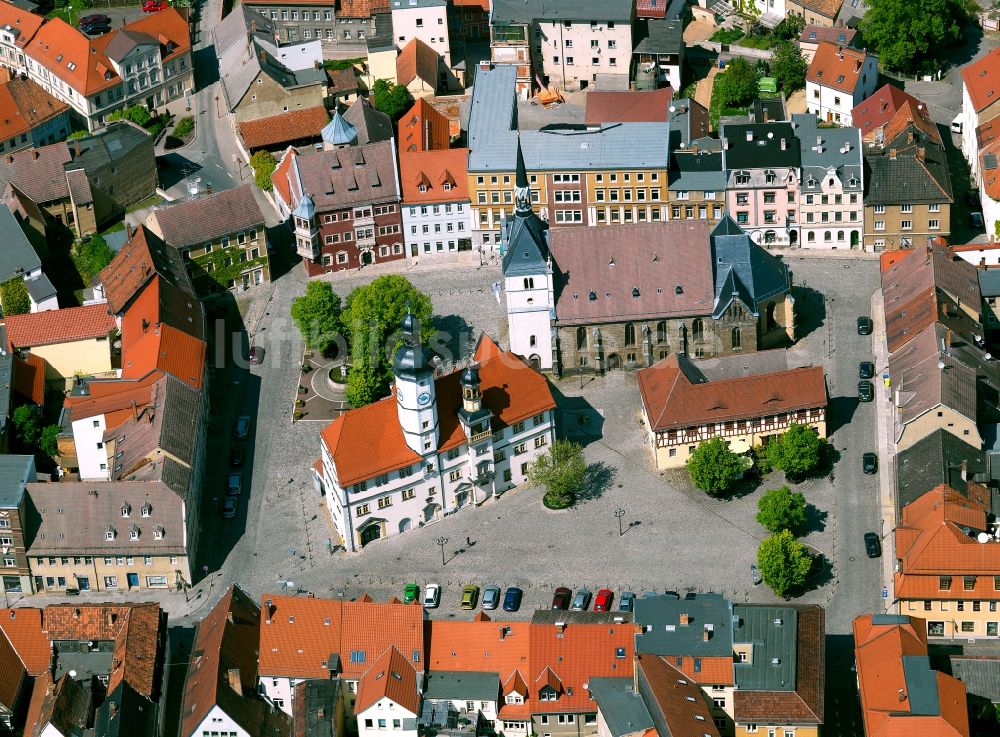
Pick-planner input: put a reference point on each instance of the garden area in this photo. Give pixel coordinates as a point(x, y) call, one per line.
point(739, 84)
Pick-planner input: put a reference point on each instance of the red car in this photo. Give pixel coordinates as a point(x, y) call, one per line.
point(603, 601)
point(153, 6)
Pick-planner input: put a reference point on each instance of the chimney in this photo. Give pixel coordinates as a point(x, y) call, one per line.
point(909, 137)
point(135, 413)
point(233, 675)
point(902, 695)
point(706, 634)
point(229, 614)
point(857, 65)
point(128, 230)
point(112, 709)
point(35, 154)
point(253, 26)
point(694, 148)
point(965, 470)
point(76, 148)
point(892, 154)
point(921, 153)
point(947, 339)
point(749, 135)
point(635, 673)
point(685, 618)
point(784, 144)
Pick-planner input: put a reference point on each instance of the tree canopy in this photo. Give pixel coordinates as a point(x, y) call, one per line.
point(784, 562)
point(788, 67)
point(391, 99)
point(714, 468)
point(14, 297)
point(317, 315)
point(92, 256)
point(798, 451)
point(48, 442)
point(27, 426)
point(263, 164)
point(561, 471)
point(137, 114)
point(780, 509)
point(909, 35)
point(737, 85)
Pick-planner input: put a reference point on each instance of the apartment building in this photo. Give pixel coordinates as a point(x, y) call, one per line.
point(344, 204)
point(308, 20)
point(17, 27)
point(980, 104)
point(436, 456)
point(437, 217)
point(426, 20)
point(567, 45)
point(831, 190)
point(762, 163)
point(70, 341)
point(16, 472)
point(687, 402)
point(838, 79)
point(872, 115)
point(31, 116)
point(697, 187)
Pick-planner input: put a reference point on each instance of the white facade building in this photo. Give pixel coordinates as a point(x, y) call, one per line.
point(579, 54)
point(439, 448)
point(388, 698)
point(437, 230)
point(838, 79)
point(423, 19)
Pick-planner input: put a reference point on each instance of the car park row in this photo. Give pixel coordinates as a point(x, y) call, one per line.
point(510, 600)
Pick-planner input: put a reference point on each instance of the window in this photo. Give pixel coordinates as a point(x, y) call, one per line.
point(385, 501)
point(362, 509)
point(111, 582)
point(156, 581)
point(408, 494)
point(906, 225)
point(969, 583)
point(880, 225)
point(944, 583)
point(968, 626)
point(933, 224)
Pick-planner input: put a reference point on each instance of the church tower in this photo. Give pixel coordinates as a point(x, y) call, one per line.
point(527, 272)
point(416, 402)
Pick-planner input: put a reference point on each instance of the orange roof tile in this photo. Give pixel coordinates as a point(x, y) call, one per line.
point(39, 690)
point(680, 701)
point(390, 677)
point(13, 676)
point(423, 128)
point(909, 114)
point(713, 670)
point(59, 326)
point(143, 255)
point(359, 8)
point(872, 114)
point(417, 59)
point(23, 627)
point(295, 125)
point(837, 67)
point(29, 377)
point(492, 647)
point(22, 23)
point(442, 175)
point(111, 396)
point(368, 441)
point(25, 105)
point(982, 80)
point(138, 654)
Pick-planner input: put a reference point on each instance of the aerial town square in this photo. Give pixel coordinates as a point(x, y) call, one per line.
point(500, 368)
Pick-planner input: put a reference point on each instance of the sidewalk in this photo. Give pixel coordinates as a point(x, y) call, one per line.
point(886, 432)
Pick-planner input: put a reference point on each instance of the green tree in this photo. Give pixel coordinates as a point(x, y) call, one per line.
point(48, 443)
point(790, 28)
point(798, 451)
point(391, 99)
point(184, 127)
point(26, 425)
point(364, 384)
point(14, 297)
point(737, 86)
point(910, 35)
point(780, 509)
point(371, 318)
point(784, 562)
point(263, 164)
point(788, 67)
point(561, 471)
point(92, 256)
point(714, 468)
point(137, 114)
point(317, 315)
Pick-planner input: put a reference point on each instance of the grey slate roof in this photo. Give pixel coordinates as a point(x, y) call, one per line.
point(125, 40)
point(314, 707)
point(6, 382)
point(15, 472)
point(40, 288)
point(663, 634)
point(763, 150)
point(17, 256)
point(134, 715)
point(830, 156)
point(41, 179)
point(698, 170)
point(981, 676)
point(621, 706)
point(743, 269)
point(243, 63)
point(551, 616)
point(906, 179)
point(937, 459)
point(526, 245)
point(240, 22)
point(658, 36)
point(774, 647)
point(111, 144)
point(525, 11)
point(989, 282)
point(493, 119)
point(688, 123)
point(921, 685)
point(768, 110)
point(462, 685)
point(346, 176)
point(371, 125)
point(209, 216)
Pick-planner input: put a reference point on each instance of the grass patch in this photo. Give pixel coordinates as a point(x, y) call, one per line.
point(120, 225)
point(760, 42)
point(68, 10)
point(148, 202)
point(717, 110)
point(726, 35)
point(184, 127)
point(689, 91)
point(338, 64)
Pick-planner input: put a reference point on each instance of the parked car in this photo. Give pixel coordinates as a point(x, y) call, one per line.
point(972, 199)
point(236, 456)
point(873, 546)
point(866, 370)
point(256, 355)
point(869, 462)
point(755, 574)
point(410, 593)
point(649, 594)
point(603, 601)
point(95, 19)
point(626, 601)
point(561, 597)
point(242, 427)
point(469, 595)
point(229, 507)
point(865, 326)
point(866, 391)
point(234, 485)
point(512, 599)
point(432, 596)
point(672, 594)
point(153, 6)
point(97, 29)
point(491, 597)
point(976, 220)
point(581, 601)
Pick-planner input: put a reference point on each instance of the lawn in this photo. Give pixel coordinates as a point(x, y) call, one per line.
point(726, 35)
point(68, 10)
point(716, 109)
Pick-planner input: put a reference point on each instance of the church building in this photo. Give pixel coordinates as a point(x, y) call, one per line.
point(440, 444)
point(626, 296)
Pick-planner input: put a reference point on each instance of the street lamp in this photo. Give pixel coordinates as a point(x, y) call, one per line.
point(442, 541)
point(218, 112)
point(619, 513)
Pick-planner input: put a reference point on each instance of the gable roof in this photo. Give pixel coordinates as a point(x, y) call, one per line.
point(241, 64)
point(939, 458)
point(240, 22)
point(53, 327)
point(982, 80)
point(18, 257)
point(675, 699)
point(417, 59)
point(368, 441)
point(22, 23)
point(433, 170)
point(911, 167)
point(390, 677)
point(817, 33)
point(125, 713)
point(423, 128)
point(874, 113)
point(25, 105)
point(634, 106)
point(143, 256)
point(13, 676)
point(372, 125)
point(38, 172)
point(65, 705)
point(743, 270)
point(837, 67)
point(23, 628)
point(284, 128)
point(210, 216)
point(482, 645)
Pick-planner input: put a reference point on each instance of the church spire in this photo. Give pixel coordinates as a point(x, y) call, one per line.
point(522, 191)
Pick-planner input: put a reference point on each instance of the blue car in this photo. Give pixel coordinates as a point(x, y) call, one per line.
point(512, 599)
point(626, 602)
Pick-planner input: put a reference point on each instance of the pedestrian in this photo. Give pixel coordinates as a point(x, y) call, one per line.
point(468, 541)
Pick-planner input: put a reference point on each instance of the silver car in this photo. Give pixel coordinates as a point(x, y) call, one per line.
point(581, 601)
point(491, 597)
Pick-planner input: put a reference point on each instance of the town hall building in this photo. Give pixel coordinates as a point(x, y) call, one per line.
point(440, 444)
point(626, 296)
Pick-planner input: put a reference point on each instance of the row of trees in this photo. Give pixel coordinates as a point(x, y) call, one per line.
point(365, 326)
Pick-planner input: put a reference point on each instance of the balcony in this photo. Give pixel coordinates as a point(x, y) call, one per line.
point(476, 437)
point(364, 241)
point(362, 221)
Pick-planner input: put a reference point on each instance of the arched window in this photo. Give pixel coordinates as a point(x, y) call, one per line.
point(529, 282)
point(697, 330)
point(629, 333)
point(661, 331)
point(840, 235)
point(737, 339)
point(827, 236)
point(810, 236)
point(581, 339)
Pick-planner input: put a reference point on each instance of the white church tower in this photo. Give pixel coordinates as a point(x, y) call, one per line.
point(527, 273)
point(416, 403)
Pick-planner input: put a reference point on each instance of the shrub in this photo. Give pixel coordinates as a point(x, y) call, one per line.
point(184, 127)
point(714, 468)
point(263, 164)
point(14, 298)
point(137, 114)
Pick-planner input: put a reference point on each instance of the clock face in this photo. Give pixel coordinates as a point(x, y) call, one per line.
point(423, 398)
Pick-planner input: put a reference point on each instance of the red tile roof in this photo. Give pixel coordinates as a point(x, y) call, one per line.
point(59, 326)
point(433, 171)
point(138, 655)
point(390, 677)
point(29, 377)
point(982, 80)
point(142, 256)
point(417, 59)
point(23, 627)
point(368, 441)
point(25, 105)
point(679, 700)
point(815, 34)
point(358, 8)
point(880, 644)
point(837, 67)
point(874, 113)
point(651, 8)
point(22, 22)
point(907, 115)
point(286, 128)
point(674, 396)
point(13, 676)
point(423, 128)
point(649, 106)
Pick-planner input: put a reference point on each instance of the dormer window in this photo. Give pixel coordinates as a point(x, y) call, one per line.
point(514, 698)
point(635, 292)
point(126, 510)
point(592, 296)
point(769, 176)
point(447, 186)
point(133, 533)
point(110, 533)
point(147, 509)
point(158, 532)
point(423, 187)
point(547, 694)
